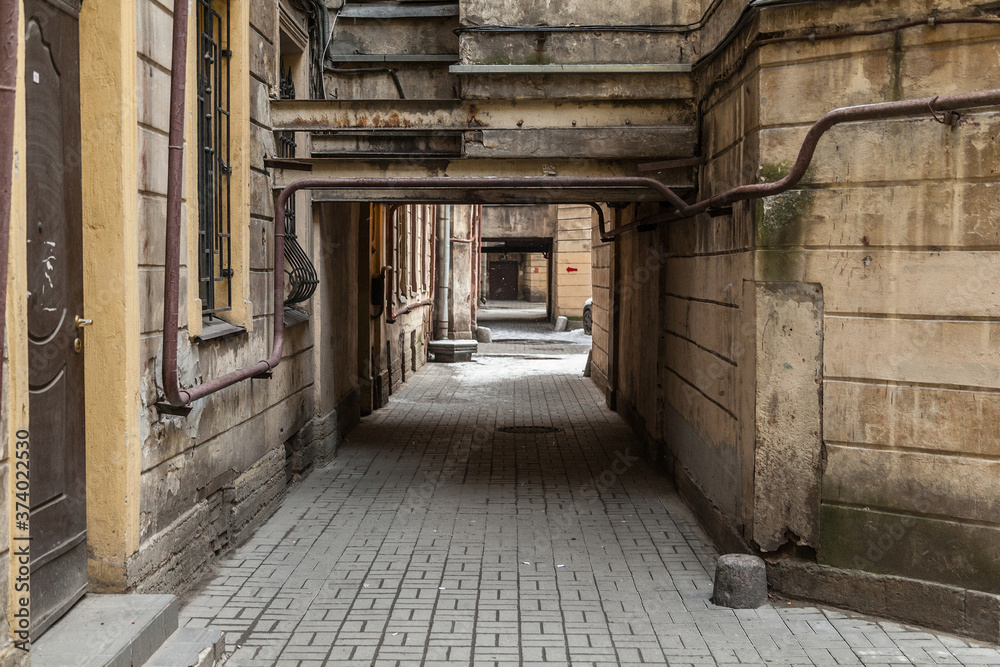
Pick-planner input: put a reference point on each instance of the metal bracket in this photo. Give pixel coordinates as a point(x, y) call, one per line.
point(949, 118)
point(278, 163)
point(165, 408)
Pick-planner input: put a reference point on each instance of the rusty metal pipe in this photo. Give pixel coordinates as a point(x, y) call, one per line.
point(600, 221)
point(390, 248)
point(175, 177)
point(868, 112)
point(171, 291)
point(410, 307)
point(8, 96)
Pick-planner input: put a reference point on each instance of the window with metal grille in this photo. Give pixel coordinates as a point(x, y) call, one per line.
point(299, 270)
point(215, 259)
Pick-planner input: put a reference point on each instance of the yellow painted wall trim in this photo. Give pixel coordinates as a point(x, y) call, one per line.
point(108, 111)
point(16, 373)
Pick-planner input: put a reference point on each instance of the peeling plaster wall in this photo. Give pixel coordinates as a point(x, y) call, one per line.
point(211, 477)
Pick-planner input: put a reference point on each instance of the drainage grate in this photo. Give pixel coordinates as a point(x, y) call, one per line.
point(529, 430)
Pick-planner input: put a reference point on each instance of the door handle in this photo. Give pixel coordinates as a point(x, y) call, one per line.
point(81, 322)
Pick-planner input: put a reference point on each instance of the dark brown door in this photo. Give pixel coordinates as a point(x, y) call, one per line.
point(503, 281)
point(55, 299)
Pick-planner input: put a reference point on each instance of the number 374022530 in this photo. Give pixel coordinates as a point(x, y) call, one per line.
point(21, 553)
point(22, 480)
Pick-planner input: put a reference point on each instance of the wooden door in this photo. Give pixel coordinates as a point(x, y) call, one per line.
point(55, 299)
point(503, 281)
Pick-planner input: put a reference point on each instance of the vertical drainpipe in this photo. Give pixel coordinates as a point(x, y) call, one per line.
point(477, 247)
point(175, 181)
point(8, 96)
point(443, 271)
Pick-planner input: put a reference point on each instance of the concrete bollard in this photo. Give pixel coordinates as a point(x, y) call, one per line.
point(740, 582)
point(561, 323)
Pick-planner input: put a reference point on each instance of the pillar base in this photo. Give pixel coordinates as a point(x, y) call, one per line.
point(452, 351)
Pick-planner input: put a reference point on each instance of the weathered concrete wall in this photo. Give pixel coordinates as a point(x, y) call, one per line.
point(411, 46)
point(788, 458)
point(703, 415)
point(894, 222)
point(407, 341)
point(826, 363)
point(637, 269)
point(519, 222)
point(578, 12)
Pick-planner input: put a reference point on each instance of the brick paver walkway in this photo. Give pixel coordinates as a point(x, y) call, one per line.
point(433, 539)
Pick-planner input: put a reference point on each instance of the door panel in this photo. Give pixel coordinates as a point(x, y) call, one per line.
point(55, 298)
point(503, 281)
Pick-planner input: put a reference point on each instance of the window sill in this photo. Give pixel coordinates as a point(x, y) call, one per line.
point(216, 329)
point(294, 316)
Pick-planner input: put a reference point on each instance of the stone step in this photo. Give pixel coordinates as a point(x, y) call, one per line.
point(190, 647)
point(108, 631)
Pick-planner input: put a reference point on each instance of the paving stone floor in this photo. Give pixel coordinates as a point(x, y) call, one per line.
point(433, 539)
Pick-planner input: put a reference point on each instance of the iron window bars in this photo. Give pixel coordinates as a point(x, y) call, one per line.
point(215, 257)
point(302, 278)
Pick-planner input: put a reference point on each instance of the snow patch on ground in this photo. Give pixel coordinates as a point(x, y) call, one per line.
point(505, 335)
point(482, 371)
